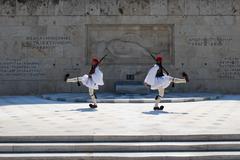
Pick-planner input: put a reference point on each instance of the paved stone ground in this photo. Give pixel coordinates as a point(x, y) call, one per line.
point(30, 115)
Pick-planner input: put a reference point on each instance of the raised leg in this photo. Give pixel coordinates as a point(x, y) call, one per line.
point(74, 80)
point(185, 79)
point(179, 80)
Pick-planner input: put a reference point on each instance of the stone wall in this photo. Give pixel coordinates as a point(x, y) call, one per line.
point(42, 40)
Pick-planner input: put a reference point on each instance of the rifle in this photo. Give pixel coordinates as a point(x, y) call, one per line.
point(102, 58)
point(152, 56)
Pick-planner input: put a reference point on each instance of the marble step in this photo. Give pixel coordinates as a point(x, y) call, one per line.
point(120, 138)
point(119, 147)
point(227, 155)
point(131, 87)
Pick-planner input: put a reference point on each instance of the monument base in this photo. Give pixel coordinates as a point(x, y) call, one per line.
point(128, 87)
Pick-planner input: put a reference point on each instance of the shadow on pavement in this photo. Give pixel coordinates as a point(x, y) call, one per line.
point(162, 112)
point(26, 100)
point(84, 110)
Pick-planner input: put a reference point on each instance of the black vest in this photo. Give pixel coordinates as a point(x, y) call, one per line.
point(93, 67)
point(159, 71)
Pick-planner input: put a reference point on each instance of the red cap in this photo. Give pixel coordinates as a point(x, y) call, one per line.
point(95, 60)
point(158, 58)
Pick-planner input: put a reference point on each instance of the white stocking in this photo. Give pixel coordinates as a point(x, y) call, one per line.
point(179, 80)
point(159, 96)
point(92, 95)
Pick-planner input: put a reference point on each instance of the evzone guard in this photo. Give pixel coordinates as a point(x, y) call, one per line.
point(92, 80)
point(158, 79)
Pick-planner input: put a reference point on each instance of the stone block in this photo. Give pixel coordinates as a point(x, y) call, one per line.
point(46, 86)
point(134, 7)
point(236, 7)
point(192, 7)
point(8, 7)
point(27, 87)
point(77, 63)
point(62, 86)
point(109, 7)
point(71, 7)
point(224, 7)
point(70, 51)
point(53, 7)
point(76, 34)
point(158, 7)
point(18, 87)
point(63, 63)
point(28, 7)
point(76, 89)
point(61, 21)
point(92, 7)
point(207, 7)
point(176, 7)
point(8, 87)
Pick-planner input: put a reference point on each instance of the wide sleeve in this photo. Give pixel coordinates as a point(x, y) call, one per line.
point(150, 78)
point(97, 76)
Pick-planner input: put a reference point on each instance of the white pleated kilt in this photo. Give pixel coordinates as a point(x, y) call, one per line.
point(161, 82)
point(90, 83)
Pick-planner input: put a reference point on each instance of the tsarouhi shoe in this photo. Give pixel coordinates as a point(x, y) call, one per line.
point(185, 76)
point(156, 108)
point(92, 106)
point(161, 107)
point(66, 77)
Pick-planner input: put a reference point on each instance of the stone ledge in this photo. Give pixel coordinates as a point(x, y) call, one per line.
point(222, 155)
point(119, 138)
point(131, 88)
point(131, 98)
